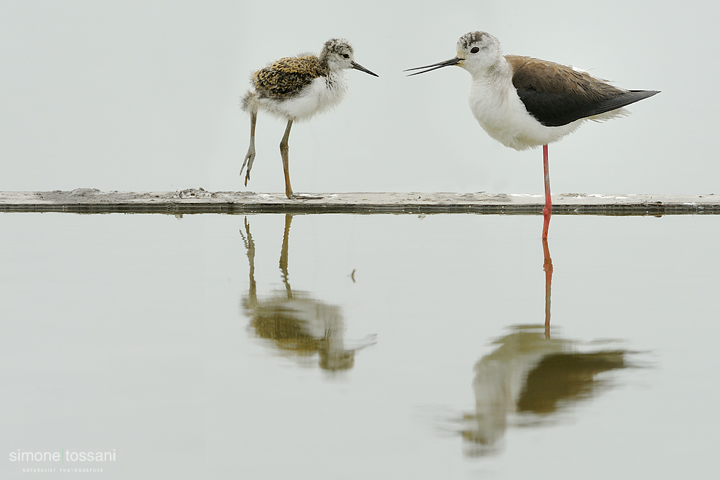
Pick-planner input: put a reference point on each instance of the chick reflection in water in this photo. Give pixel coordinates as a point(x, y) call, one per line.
point(296, 323)
point(528, 378)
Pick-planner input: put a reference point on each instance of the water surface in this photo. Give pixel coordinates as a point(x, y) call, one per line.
point(326, 346)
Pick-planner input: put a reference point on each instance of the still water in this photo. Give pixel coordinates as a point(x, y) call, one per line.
point(351, 346)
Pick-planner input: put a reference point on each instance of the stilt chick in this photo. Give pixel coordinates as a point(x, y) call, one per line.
point(296, 88)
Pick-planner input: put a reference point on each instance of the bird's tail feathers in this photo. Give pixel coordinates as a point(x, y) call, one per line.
point(249, 102)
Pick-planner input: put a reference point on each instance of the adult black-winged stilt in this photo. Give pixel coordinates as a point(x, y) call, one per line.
point(296, 88)
point(524, 102)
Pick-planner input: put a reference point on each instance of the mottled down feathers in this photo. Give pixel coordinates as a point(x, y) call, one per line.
point(287, 76)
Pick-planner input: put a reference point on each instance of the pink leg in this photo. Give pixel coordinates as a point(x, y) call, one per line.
point(547, 211)
point(547, 264)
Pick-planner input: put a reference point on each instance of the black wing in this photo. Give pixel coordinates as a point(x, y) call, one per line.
point(557, 95)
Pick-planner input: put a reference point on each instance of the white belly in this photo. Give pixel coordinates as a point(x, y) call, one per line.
point(321, 95)
point(503, 116)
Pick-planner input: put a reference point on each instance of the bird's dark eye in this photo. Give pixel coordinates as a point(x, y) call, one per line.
point(346, 55)
point(474, 50)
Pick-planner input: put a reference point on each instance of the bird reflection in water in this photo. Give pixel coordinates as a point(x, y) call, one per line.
point(530, 377)
point(296, 323)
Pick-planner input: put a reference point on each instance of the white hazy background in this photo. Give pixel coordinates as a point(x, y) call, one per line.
point(144, 96)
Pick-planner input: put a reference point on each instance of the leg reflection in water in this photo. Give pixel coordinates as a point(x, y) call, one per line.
point(295, 322)
point(548, 268)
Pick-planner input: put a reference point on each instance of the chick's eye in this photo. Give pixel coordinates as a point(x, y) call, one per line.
point(474, 50)
point(346, 55)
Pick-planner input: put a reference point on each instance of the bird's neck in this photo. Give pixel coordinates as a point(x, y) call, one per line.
point(498, 71)
point(336, 79)
point(491, 85)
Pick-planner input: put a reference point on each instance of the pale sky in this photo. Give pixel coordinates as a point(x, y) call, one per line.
point(144, 96)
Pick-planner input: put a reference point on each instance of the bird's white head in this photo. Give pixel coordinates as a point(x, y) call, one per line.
point(337, 54)
point(477, 52)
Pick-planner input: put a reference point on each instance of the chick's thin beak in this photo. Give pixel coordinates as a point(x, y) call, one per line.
point(435, 66)
point(357, 66)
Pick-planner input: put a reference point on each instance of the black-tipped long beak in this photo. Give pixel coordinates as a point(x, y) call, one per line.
point(435, 66)
point(357, 66)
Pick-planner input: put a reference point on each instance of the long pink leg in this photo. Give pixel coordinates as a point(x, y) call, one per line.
point(547, 211)
point(547, 263)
